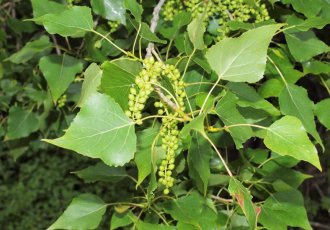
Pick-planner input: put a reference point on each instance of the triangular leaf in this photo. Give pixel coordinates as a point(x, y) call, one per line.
point(287, 136)
point(59, 72)
point(92, 80)
point(226, 57)
point(294, 101)
point(101, 130)
point(84, 212)
point(74, 22)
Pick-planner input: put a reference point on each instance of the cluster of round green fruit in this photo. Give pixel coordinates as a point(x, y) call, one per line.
point(144, 86)
point(221, 10)
point(170, 143)
point(61, 101)
point(170, 107)
point(113, 26)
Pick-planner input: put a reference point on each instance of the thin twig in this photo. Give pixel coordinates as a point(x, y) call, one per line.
point(222, 200)
point(58, 51)
point(153, 25)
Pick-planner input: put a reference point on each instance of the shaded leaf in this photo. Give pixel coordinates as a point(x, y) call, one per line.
point(248, 97)
point(196, 30)
point(322, 111)
point(121, 219)
point(36, 48)
point(284, 209)
point(143, 156)
point(312, 45)
point(92, 80)
point(228, 113)
point(199, 155)
point(294, 101)
point(42, 7)
point(21, 123)
point(59, 72)
point(192, 211)
point(135, 9)
point(117, 79)
point(244, 199)
point(101, 172)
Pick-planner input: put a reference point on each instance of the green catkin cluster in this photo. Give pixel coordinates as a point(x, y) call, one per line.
point(221, 10)
point(61, 101)
point(113, 26)
point(145, 83)
point(170, 143)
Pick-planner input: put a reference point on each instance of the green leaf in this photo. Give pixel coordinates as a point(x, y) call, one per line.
point(244, 199)
point(309, 8)
point(180, 20)
point(271, 88)
point(135, 9)
point(193, 211)
point(42, 7)
point(110, 9)
point(117, 79)
point(312, 45)
point(294, 101)
point(322, 112)
point(36, 48)
point(316, 67)
point(121, 220)
point(140, 225)
point(101, 172)
point(21, 123)
point(197, 124)
point(242, 59)
point(92, 80)
point(280, 62)
point(199, 155)
point(287, 136)
point(144, 152)
point(248, 97)
point(74, 22)
point(59, 72)
point(296, 23)
point(228, 113)
point(101, 130)
point(146, 33)
point(84, 212)
point(284, 209)
point(196, 30)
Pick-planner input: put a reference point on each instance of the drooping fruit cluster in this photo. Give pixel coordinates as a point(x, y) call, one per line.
point(170, 106)
point(221, 10)
point(170, 143)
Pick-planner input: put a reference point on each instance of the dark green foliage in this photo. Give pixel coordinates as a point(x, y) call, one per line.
point(214, 116)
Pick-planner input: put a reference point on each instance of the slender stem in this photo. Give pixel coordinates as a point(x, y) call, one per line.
point(222, 200)
point(168, 49)
point(325, 85)
point(278, 70)
point(219, 154)
point(213, 129)
point(111, 42)
point(136, 37)
point(184, 73)
point(209, 94)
